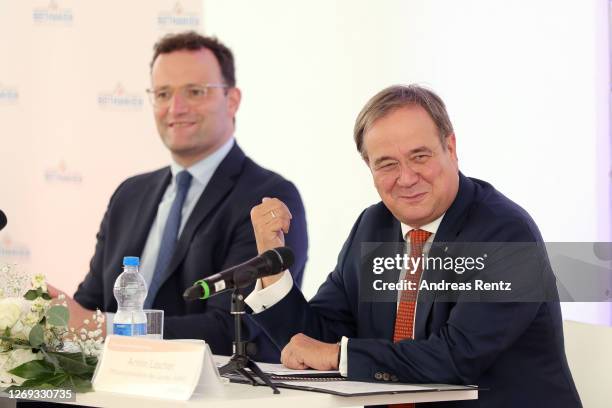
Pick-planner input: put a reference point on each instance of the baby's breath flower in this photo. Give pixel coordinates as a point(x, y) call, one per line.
point(31, 319)
point(39, 305)
point(38, 281)
point(19, 315)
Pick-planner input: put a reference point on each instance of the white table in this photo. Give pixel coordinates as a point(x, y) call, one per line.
point(242, 395)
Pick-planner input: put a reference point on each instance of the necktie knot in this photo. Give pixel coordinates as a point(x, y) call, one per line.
point(183, 180)
point(418, 237)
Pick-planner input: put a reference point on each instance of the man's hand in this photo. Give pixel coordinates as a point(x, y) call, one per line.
point(304, 352)
point(271, 220)
point(78, 314)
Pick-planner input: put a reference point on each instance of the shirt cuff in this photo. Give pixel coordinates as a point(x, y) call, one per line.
point(109, 322)
point(262, 298)
point(343, 366)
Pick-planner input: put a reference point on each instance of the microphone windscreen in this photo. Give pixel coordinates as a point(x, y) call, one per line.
point(192, 293)
point(3, 220)
point(286, 256)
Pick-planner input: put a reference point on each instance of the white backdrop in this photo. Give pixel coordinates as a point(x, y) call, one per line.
point(526, 84)
point(75, 120)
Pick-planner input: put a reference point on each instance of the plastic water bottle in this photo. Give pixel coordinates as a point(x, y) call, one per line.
point(130, 290)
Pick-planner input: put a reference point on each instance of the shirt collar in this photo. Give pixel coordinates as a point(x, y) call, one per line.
point(431, 227)
point(203, 170)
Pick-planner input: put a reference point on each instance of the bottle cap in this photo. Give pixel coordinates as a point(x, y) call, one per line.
point(131, 261)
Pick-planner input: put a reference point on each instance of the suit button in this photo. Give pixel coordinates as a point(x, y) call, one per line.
point(386, 376)
point(378, 376)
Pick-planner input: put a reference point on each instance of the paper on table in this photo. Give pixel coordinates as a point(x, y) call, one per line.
point(276, 369)
point(279, 369)
point(354, 388)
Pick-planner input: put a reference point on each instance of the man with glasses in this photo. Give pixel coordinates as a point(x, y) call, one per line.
point(190, 219)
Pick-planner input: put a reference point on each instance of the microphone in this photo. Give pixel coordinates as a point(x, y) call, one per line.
point(269, 263)
point(3, 220)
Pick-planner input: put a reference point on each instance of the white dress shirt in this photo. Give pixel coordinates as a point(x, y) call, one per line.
point(263, 298)
point(201, 172)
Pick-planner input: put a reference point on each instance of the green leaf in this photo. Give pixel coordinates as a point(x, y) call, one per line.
point(37, 336)
point(40, 385)
point(72, 363)
point(46, 296)
point(56, 380)
point(33, 369)
point(50, 358)
point(66, 381)
point(44, 381)
point(58, 316)
point(74, 372)
point(31, 294)
point(79, 384)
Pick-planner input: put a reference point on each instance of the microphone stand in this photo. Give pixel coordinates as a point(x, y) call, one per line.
point(240, 360)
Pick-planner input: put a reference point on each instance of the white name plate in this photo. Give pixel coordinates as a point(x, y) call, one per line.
point(156, 368)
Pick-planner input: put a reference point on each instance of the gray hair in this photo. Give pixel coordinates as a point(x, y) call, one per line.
point(398, 96)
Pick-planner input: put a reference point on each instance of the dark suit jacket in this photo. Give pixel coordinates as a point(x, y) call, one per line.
point(515, 350)
point(217, 235)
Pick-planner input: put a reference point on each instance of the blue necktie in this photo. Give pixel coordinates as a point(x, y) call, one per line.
point(169, 237)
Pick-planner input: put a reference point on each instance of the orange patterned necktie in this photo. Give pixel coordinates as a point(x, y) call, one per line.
point(404, 320)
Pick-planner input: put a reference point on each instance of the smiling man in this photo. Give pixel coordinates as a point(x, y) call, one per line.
point(190, 219)
point(512, 349)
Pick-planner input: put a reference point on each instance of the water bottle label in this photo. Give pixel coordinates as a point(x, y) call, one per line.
point(128, 329)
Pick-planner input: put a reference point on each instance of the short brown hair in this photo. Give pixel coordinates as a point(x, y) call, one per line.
point(192, 41)
point(398, 96)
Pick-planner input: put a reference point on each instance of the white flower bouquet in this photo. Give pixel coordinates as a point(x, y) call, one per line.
point(35, 337)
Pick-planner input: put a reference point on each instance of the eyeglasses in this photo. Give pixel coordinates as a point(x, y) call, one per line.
point(193, 94)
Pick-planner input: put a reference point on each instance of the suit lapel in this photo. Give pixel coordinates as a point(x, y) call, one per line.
point(147, 211)
point(449, 229)
point(389, 233)
point(221, 183)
